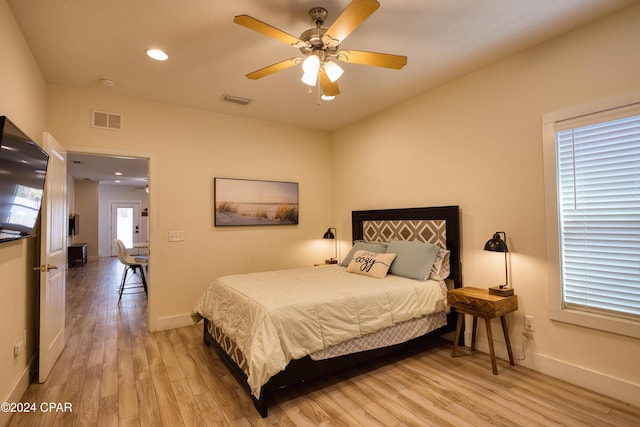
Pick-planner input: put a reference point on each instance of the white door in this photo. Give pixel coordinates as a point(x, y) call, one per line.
point(53, 244)
point(125, 224)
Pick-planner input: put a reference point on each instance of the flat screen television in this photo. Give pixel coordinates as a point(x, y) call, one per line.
point(23, 168)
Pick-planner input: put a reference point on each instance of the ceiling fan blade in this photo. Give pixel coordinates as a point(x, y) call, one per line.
point(266, 29)
point(375, 59)
point(350, 18)
point(279, 66)
point(329, 88)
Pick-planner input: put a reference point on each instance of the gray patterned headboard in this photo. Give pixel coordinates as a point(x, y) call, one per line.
point(432, 231)
point(436, 225)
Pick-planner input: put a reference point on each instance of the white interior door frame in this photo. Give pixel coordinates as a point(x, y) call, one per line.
point(151, 157)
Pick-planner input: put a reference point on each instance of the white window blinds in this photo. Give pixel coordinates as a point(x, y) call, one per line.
point(598, 173)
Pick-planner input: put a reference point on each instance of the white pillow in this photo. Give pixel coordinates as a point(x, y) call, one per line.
point(371, 263)
point(441, 267)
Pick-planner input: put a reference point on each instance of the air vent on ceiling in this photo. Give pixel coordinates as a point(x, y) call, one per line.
point(235, 99)
point(104, 120)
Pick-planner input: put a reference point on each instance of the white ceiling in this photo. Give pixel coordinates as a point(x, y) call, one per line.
point(133, 171)
point(77, 42)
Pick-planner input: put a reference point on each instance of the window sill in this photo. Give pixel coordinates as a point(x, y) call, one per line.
point(600, 322)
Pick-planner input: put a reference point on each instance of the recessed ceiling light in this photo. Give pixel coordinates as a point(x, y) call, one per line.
point(157, 54)
point(118, 173)
point(117, 181)
point(108, 81)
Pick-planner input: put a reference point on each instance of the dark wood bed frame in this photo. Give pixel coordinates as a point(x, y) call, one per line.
point(306, 369)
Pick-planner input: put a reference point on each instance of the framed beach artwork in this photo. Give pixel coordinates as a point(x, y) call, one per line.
point(252, 202)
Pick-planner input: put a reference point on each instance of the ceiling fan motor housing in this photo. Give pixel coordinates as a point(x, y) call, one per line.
point(313, 36)
point(318, 15)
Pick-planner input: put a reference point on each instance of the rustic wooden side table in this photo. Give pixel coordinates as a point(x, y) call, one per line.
point(479, 303)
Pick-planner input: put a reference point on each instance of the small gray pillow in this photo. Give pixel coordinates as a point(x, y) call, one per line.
point(361, 245)
point(413, 259)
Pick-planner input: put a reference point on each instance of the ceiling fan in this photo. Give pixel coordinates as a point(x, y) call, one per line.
point(319, 45)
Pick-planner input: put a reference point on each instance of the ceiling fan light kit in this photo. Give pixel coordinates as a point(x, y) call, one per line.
point(334, 71)
point(310, 67)
point(319, 45)
point(157, 54)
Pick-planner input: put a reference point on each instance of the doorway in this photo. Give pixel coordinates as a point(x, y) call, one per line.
point(130, 199)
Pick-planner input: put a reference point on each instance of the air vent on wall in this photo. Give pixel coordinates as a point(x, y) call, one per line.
point(235, 99)
point(104, 120)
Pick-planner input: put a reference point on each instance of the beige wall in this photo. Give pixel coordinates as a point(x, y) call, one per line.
point(22, 99)
point(86, 196)
point(187, 149)
point(476, 142)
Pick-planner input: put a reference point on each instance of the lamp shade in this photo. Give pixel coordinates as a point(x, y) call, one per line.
point(310, 66)
point(496, 243)
point(309, 78)
point(329, 234)
point(334, 71)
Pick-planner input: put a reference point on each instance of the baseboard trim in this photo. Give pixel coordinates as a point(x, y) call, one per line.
point(610, 386)
point(172, 322)
point(616, 388)
point(17, 391)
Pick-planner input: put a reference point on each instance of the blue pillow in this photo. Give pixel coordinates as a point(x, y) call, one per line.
point(413, 259)
point(361, 245)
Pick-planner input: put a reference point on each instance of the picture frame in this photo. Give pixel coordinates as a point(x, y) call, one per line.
point(248, 202)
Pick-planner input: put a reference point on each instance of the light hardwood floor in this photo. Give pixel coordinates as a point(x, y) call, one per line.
point(114, 372)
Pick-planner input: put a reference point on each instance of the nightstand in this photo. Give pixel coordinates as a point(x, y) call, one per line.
point(479, 303)
point(327, 262)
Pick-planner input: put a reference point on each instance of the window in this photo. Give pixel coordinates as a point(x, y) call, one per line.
point(595, 253)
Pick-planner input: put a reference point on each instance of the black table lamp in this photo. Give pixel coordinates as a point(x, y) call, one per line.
point(497, 244)
point(332, 235)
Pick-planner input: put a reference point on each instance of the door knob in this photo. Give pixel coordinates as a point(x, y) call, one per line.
point(46, 267)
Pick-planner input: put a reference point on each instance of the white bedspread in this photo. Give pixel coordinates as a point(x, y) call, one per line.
point(277, 316)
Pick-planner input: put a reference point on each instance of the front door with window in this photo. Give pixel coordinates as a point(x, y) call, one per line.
point(125, 224)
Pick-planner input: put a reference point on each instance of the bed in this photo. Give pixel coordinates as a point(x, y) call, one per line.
point(279, 328)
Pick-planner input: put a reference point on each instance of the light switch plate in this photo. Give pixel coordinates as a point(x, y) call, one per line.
point(176, 236)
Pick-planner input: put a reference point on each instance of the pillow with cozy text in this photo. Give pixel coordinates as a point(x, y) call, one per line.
point(361, 245)
point(370, 263)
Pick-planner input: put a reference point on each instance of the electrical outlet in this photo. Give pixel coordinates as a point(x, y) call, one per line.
point(18, 348)
point(529, 323)
point(176, 236)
